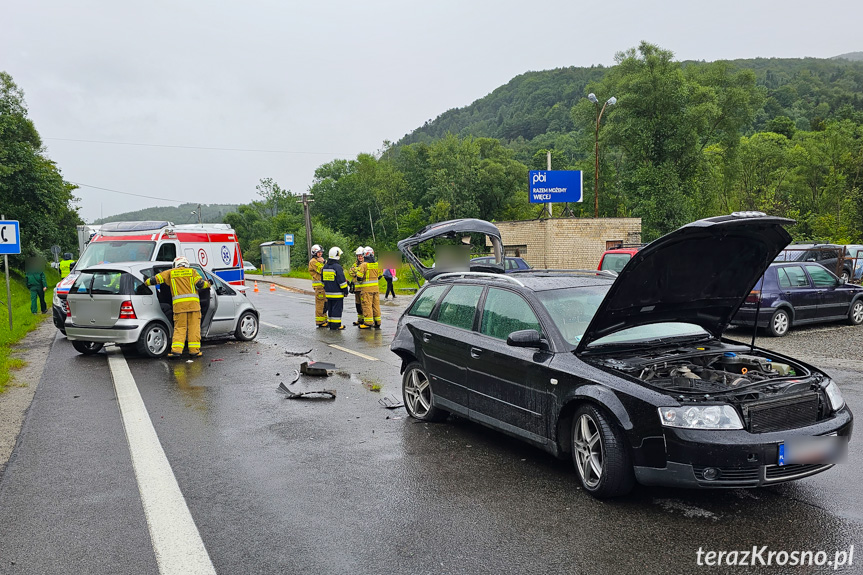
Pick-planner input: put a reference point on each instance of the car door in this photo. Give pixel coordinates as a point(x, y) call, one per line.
point(444, 348)
point(508, 385)
point(832, 302)
point(798, 290)
point(225, 301)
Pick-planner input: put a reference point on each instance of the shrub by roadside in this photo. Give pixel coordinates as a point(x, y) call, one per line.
point(23, 321)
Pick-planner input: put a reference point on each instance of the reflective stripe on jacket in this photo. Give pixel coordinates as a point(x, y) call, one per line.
point(185, 283)
point(367, 276)
point(316, 266)
point(335, 284)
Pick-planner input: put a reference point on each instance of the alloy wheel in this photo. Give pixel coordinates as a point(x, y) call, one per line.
point(588, 447)
point(780, 323)
point(857, 312)
point(417, 393)
point(157, 340)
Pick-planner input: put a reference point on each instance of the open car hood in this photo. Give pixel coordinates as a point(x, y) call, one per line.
point(454, 229)
point(698, 274)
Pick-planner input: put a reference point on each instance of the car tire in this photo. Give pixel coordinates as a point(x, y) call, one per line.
point(87, 347)
point(780, 323)
point(417, 394)
point(154, 341)
point(846, 276)
point(855, 314)
point(600, 454)
point(247, 327)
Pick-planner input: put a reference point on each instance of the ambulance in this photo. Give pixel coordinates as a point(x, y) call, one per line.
point(213, 246)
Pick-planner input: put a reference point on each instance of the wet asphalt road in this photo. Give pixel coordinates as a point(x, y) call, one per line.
point(347, 486)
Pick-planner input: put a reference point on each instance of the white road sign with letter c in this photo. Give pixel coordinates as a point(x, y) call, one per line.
point(10, 238)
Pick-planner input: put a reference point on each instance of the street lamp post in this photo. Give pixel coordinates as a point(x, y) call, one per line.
point(610, 102)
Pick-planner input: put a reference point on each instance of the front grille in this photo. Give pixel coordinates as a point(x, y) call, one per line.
point(730, 474)
point(775, 472)
point(787, 413)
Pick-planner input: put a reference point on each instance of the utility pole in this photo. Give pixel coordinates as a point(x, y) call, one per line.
point(305, 201)
point(548, 157)
point(610, 102)
point(200, 219)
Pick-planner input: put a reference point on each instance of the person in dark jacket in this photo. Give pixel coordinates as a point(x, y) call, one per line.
point(335, 288)
point(37, 284)
point(389, 276)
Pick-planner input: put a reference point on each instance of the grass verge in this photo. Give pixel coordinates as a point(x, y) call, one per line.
point(23, 322)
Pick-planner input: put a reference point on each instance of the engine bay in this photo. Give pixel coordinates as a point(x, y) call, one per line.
point(711, 371)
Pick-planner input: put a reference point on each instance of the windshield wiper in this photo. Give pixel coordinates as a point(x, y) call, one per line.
point(674, 339)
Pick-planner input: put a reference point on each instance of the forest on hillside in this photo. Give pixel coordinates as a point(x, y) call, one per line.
point(684, 140)
point(182, 214)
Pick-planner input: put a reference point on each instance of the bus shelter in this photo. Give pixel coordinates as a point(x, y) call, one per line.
point(275, 258)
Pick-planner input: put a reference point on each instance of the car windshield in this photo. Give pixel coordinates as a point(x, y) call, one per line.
point(572, 309)
point(120, 251)
point(615, 262)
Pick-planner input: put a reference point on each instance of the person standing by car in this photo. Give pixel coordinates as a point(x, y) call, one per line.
point(368, 275)
point(66, 265)
point(37, 284)
point(184, 283)
point(316, 266)
point(335, 287)
point(355, 287)
point(390, 277)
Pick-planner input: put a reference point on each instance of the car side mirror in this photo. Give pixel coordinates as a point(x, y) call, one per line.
point(525, 338)
point(143, 289)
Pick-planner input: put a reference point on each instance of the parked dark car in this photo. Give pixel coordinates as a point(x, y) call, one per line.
point(511, 263)
point(628, 376)
point(827, 255)
point(798, 294)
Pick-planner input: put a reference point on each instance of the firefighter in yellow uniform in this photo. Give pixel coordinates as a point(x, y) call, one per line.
point(316, 266)
point(184, 283)
point(368, 276)
point(355, 285)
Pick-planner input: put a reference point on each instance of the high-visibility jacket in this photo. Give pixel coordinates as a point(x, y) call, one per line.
point(316, 266)
point(368, 274)
point(184, 283)
point(66, 267)
point(352, 274)
point(335, 284)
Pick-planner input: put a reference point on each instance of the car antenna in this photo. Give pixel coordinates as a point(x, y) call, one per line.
point(757, 311)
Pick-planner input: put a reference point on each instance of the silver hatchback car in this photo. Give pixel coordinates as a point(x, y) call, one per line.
point(109, 303)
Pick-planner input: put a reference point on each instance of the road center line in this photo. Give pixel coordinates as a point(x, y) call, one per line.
point(175, 538)
point(271, 325)
point(346, 350)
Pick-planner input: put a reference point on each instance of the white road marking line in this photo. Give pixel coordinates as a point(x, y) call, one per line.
point(175, 538)
point(346, 350)
point(271, 325)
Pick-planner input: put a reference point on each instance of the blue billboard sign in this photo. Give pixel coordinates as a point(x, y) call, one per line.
point(555, 186)
point(10, 237)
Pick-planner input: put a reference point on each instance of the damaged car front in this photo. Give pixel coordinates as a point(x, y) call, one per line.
point(736, 415)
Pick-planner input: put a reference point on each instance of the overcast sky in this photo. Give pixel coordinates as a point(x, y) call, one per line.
point(312, 81)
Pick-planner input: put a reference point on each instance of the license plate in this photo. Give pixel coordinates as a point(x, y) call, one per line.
point(781, 454)
point(813, 450)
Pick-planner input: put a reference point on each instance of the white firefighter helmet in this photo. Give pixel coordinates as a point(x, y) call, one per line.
point(369, 251)
point(335, 253)
point(316, 248)
point(181, 262)
point(360, 251)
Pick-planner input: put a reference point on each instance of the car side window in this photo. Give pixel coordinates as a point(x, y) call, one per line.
point(426, 301)
point(167, 253)
point(796, 276)
point(784, 280)
point(505, 312)
point(821, 277)
point(458, 307)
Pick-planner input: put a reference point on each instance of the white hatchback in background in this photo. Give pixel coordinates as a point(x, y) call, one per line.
point(109, 303)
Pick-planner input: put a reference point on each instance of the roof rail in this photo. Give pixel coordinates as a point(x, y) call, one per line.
point(481, 274)
point(608, 273)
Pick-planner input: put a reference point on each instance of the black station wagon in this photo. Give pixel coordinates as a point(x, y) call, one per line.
point(628, 375)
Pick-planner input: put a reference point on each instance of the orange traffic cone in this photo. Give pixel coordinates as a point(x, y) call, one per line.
point(272, 287)
point(256, 286)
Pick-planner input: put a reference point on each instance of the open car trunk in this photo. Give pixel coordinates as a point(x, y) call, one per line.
point(457, 237)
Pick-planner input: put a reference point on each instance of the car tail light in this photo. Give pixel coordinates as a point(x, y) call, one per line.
point(67, 309)
point(753, 297)
point(127, 311)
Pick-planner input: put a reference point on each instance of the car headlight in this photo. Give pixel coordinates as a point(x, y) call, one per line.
point(837, 402)
point(701, 417)
point(56, 299)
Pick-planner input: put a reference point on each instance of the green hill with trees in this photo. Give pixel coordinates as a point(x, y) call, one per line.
point(182, 214)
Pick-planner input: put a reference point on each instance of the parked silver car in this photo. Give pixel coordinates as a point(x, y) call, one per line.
point(109, 303)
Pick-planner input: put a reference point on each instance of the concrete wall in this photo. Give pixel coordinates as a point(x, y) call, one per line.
point(566, 243)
